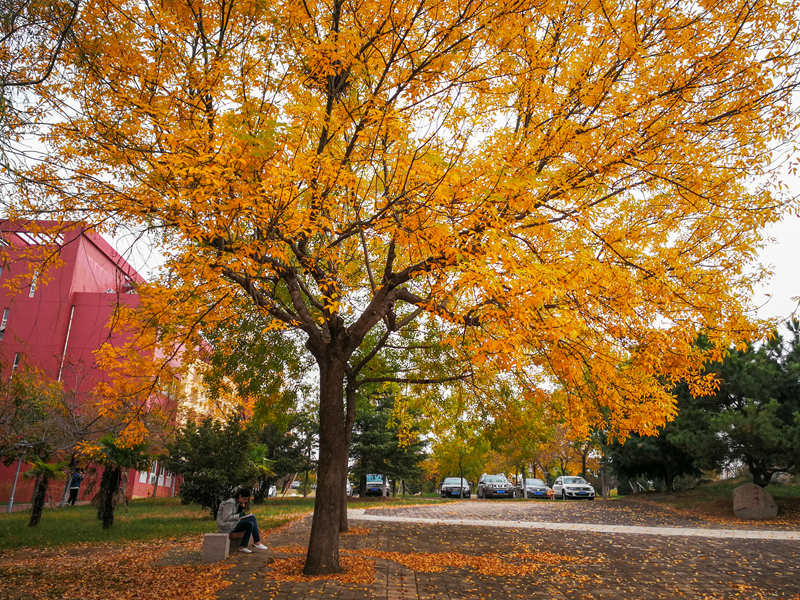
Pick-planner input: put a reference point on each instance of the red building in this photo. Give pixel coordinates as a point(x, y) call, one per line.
point(56, 322)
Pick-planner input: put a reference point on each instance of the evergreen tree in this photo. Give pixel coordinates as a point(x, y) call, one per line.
point(214, 458)
point(377, 445)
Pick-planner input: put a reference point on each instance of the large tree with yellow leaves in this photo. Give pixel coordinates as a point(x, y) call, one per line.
point(565, 192)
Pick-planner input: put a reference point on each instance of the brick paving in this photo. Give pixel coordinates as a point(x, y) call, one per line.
point(596, 566)
point(626, 512)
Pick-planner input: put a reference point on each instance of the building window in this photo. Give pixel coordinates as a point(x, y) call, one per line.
point(3, 323)
point(33, 284)
point(38, 239)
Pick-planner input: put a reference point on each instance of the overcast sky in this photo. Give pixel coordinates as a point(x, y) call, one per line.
point(784, 258)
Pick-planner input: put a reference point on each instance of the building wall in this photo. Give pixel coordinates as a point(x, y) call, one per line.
point(63, 323)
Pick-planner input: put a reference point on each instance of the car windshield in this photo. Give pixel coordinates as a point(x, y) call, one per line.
point(495, 479)
point(574, 480)
point(453, 481)
point(534, 482)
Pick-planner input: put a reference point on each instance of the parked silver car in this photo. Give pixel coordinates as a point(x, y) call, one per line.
point(534, 488)
point(495, 486)
point(455, 487)
point(569, 486)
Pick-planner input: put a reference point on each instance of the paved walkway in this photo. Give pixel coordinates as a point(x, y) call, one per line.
point(752, 534)
point(534, 551)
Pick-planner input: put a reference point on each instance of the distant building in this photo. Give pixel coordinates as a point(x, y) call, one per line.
point(57, 321)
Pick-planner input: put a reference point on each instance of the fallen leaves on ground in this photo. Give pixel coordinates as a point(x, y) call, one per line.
point(718, 512)
point(359, 568)
point(499, 565)
point(356, 531)
point(101, 571)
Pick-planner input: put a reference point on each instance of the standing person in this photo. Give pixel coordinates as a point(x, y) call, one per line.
point(75, 486)
point(233, 516)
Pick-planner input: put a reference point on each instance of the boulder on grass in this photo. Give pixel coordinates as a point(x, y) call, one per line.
point(752, 502)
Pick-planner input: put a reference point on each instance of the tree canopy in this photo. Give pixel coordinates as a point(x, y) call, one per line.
point(563, 192)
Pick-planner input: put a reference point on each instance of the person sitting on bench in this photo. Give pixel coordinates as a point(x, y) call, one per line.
point(233, 517)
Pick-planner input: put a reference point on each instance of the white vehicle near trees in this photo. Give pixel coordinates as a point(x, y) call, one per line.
point(376, 485)
point(571, 486)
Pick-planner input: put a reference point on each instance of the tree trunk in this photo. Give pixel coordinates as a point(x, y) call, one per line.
point(65, 491)
point(460, 477)
point(121, 496)
point(155, 483)
point(39, 492)
point(350, 418)
point(108, 488)
point(323, 544)
point(603, 490)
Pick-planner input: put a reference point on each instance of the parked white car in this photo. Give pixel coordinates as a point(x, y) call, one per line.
point(570, 486)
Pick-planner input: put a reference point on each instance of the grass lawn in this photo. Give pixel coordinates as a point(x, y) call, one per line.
point(145, 519)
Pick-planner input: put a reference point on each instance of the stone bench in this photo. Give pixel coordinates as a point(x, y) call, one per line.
point(217, 546)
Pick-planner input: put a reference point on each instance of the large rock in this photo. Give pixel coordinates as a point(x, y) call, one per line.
point(753, 502)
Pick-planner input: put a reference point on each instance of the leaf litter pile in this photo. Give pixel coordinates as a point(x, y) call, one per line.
point(359, 565)
point(95, 571)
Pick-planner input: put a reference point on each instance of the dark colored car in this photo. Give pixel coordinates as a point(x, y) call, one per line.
point(534, 488)
point(495, 486)
point(454, 487)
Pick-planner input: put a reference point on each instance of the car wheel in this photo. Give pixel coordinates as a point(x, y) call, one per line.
point(480, 495)
point(467, 495)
